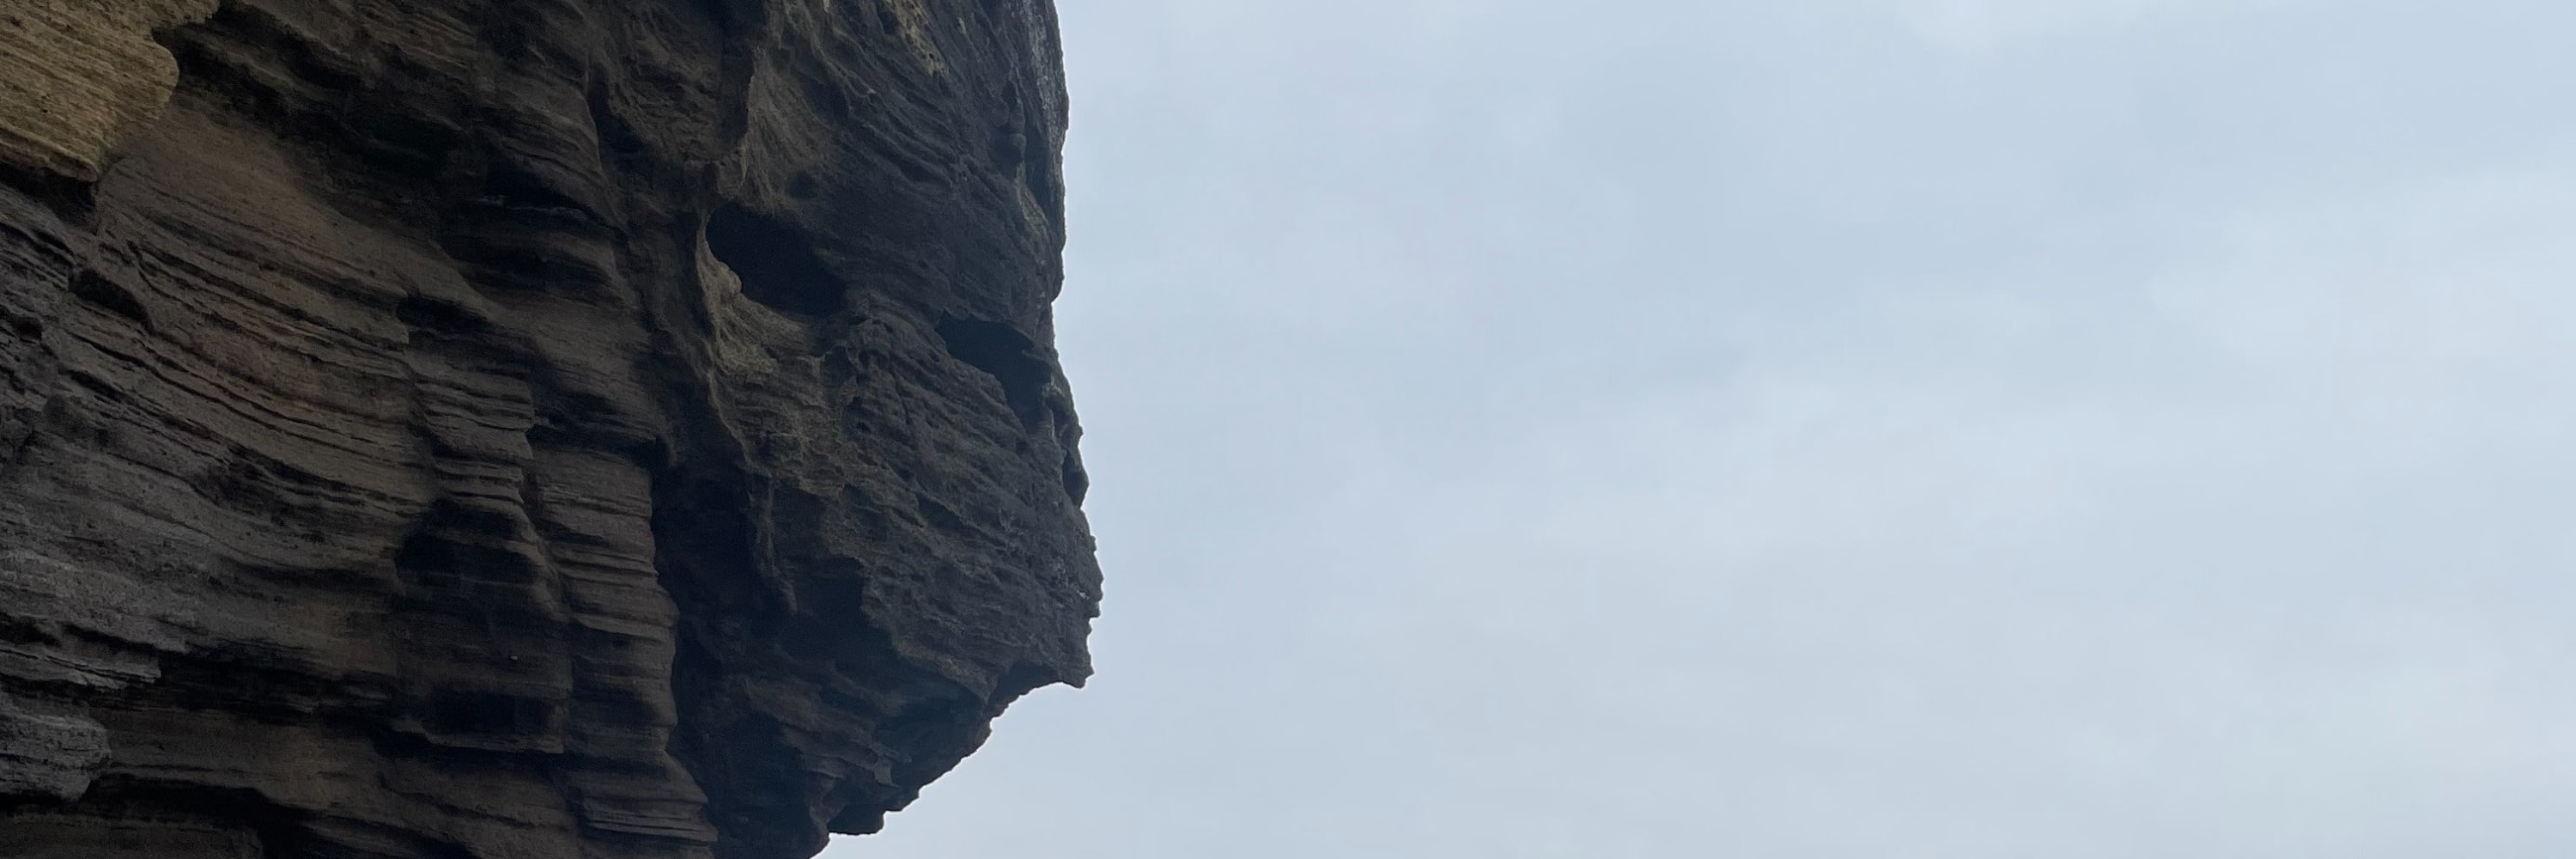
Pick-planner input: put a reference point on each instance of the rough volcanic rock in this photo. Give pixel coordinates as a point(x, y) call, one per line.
point(503, 429)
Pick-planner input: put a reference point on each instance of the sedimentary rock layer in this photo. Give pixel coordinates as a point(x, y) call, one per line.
point(523, 428)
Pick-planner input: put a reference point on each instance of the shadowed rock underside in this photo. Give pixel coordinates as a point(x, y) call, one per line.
point(504, 429)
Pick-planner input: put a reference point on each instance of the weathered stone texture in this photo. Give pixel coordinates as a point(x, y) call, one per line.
point(523, 428)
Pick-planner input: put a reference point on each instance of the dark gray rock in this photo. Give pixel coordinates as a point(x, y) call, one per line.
point(523, 428)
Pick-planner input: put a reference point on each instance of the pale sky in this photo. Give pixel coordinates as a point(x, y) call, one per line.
point(1832, 429)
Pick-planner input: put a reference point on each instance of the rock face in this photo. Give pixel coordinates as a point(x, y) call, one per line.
point(503, 429)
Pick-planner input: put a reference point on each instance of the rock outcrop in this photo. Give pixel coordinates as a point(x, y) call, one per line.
point(503, 429)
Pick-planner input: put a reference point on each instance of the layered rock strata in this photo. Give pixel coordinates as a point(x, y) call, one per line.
point(503, 429)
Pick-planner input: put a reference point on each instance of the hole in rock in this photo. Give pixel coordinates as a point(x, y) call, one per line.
point(775, 260)
point(91, 287)
point(1007, 355)
point(486, 713)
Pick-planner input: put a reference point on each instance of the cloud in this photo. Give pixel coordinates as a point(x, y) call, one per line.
point(1983, 27)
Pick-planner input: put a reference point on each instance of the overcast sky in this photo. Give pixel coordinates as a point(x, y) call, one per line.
point(1813, 429)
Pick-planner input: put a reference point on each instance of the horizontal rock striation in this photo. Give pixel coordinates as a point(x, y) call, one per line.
point(503, 429)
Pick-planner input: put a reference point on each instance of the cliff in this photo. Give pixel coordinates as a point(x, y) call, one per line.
point(485, 429)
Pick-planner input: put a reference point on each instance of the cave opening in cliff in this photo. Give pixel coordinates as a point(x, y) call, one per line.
point(1005, 354)
point(776, 261)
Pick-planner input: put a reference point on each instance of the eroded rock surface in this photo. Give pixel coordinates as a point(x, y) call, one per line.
point(504, 429)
